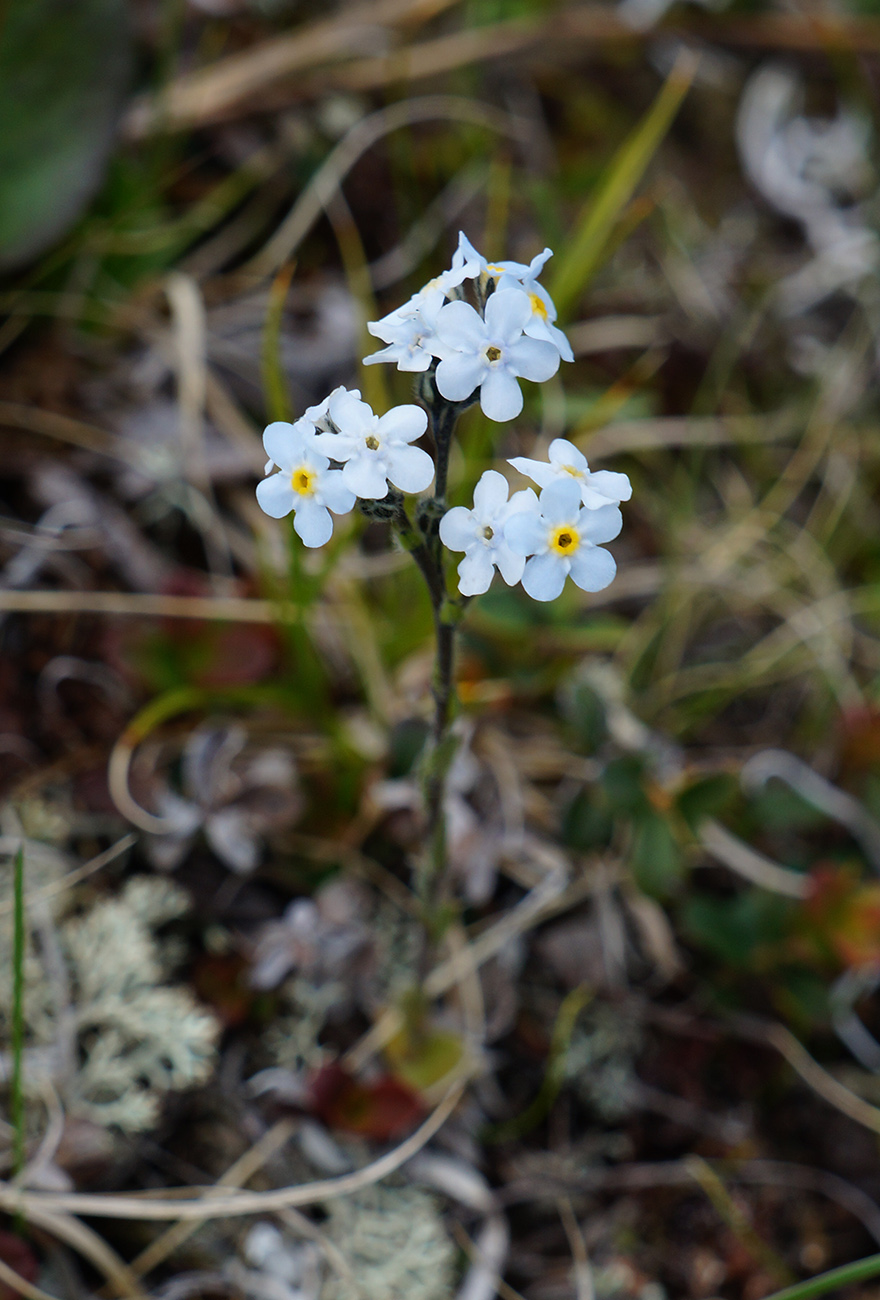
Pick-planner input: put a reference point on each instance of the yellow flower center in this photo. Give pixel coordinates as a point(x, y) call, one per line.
point(572, 470)
point(493, 354)
point(538, 306)
point(372, 442)
point(565, 540)
point(302, 480)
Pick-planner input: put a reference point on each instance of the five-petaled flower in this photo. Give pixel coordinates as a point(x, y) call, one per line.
point(490, 353)
point(598, 487)
point(480, 534)
point(306, 484)
point(563, 537)
point(374, 449)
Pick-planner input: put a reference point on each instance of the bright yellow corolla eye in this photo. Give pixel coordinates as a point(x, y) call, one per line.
point(302, 480)
point(538, 306)
point(565, 540)
point(570, 469)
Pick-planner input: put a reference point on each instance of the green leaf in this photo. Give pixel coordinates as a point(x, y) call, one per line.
point(655, 860)
point(64, 68)
point(597, 223)
point(624, 784)
point(707, 797)
point(586, 825)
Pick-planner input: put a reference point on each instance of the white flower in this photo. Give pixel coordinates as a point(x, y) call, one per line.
point(409, 331)
point(490, 354)
point(562, 538)
point(540, 323)
point(480, 534)
point(598, 487)
point(305, 484)
point(319, 415)
point(375, 449)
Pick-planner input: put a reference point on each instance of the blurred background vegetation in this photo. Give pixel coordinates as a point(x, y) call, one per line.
point(665, 810)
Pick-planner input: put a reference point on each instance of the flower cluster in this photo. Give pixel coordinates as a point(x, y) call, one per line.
point(483, 351)
point(540, 541)
point(370, 451)
point(340, 451)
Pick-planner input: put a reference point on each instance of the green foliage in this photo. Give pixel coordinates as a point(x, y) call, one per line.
point(63, 71)
point(655, 857)
point(739, 930)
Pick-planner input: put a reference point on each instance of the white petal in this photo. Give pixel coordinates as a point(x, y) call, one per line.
point(533, 359)
point(592, 568)
point(601, 525)
point(616, 487)
point(538, 470)
point(562, 452)
point(403, 424)
point(334, 494)
point(561, 501)
point(337, 446)
point(526, 533)
point(544, 576)
point(460, 325)
point(365, 476)
point(313, 523)
point(275, 495)
point(490, 494)
point(507, 311)
point(409, 468)
point(280, 443)
point(349, 413)
point(230, 836)
point(458, 528)
point(500, 395)
point(391, 353)
point(510, 565)
point(525, 499)
point(459, 374)
point(475, 572)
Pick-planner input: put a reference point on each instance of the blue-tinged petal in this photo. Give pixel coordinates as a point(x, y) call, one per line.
point(507, 311)
point(313, 523)
point(544, 576)
point(403, 424)
point(409, 468)
point(458, 528)
point(459, 374)
point(391, 353)
point(275, 495)
point(593, 568)
point(533, 359)
point(349, 413)
point(500, 395)
point(616, 487)
point(526, 533)
point(564, 453)
point(561, 501)
point(460, 326)
point(510, 565)
point(334, 494)
point(537, 470)
point(475, 573)
point(365, 477)
point(601, 525)
point(281, 444)
point(490, 494)
point(337, 446)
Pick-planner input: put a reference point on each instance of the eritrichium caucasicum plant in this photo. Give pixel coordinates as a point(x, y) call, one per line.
point(470, 335)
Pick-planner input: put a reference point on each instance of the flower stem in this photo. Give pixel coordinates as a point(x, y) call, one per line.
point(846, 1275)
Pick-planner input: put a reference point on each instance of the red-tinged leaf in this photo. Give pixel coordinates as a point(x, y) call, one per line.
point(846, 913)
point(18, 1255)
point(381, 1110)
point(860, 738)
point(221, 981)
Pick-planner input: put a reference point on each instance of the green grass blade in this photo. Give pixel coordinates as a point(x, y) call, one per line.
point(605, 208)
point(279, 405)
point(832, 1280)
point(16, 1101)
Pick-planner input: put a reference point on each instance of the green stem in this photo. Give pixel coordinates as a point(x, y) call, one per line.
point(830, 1281)
point(16, 1101)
